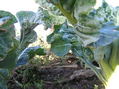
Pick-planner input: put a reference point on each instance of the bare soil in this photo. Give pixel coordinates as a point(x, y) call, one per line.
point(68, 76)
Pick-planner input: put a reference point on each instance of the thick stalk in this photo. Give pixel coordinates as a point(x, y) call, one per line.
point(72, 20)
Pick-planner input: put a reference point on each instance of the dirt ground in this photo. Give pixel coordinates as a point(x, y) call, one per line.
point(68, 76)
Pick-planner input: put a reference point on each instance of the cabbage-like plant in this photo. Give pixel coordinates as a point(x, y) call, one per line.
point(10, 47)
point(92, 35)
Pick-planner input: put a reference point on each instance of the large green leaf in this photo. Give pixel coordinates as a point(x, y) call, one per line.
point(9, 19)
point(60, 47)
point(28, 20)
point(8, 46)
point(7, 40)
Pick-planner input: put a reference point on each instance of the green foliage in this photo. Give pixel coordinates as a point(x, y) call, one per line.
point(10, 48)
point(49, 14)
point(60, 47)
point(8, 43)
point(28, 21)
point(62, 39)
point(29, 53)
point(94, 32)
point(9, 18)
point(3, 77)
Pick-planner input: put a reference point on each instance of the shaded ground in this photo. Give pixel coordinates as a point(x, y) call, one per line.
point(55, 76)
point(31, 77)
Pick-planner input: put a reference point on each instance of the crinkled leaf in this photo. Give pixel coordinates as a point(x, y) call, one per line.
point(83, 7)
point(49, 14)
point(107, 13)
point(48, 6)
point(49, 19)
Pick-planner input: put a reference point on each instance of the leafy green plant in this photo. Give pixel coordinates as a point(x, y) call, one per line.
point(10, 47)
point(92, 35)
point(49, 14)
